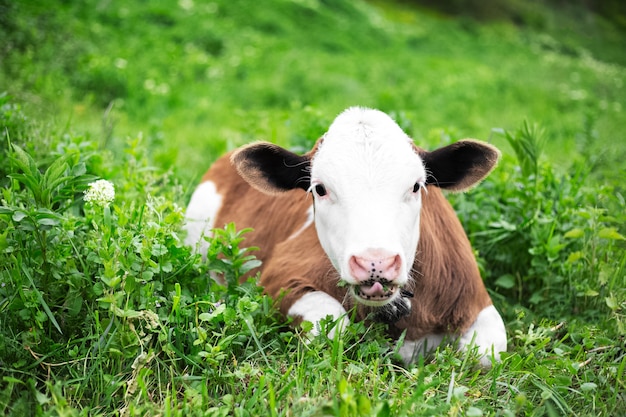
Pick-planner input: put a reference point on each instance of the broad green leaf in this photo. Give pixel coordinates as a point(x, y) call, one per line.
point(610, 233)
point(111, 282)
point(385, 410)
point(24, 161)
point(48, 221)
point(605, 274)
point(536, 298)
point(213, 314)
point(75, 304)
point(249, 265)
point(18, 216)
point(158, 249)
point(128, 313)
point(364, 406)
point(306, 326)
point(52, 185)
point(3, 240)
point(574, 233)
point(574, 256)
point(41, 397)
point(588, 386)
point(611, 303)
point(459, 392)
point(506, 281)
point(474, 412)
point(55, 171)
point(32, 183)
point(79, 169)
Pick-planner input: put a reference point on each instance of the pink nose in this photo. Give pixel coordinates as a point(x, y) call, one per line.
point(369, 266)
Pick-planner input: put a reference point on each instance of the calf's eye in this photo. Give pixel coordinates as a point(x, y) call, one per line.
point(320, 190)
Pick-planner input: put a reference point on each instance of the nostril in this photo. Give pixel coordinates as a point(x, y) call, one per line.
point(391, 263)
point(396, 264)
point(358, 267)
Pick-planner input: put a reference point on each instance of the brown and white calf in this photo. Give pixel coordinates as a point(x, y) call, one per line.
point(360, 221)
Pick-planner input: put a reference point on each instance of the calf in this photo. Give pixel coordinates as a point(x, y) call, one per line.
point(360, 222)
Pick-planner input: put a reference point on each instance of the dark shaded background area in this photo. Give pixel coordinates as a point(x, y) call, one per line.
point(521, 11)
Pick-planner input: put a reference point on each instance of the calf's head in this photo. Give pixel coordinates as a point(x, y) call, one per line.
point(367, 179)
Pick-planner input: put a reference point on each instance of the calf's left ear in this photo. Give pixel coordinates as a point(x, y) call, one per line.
point(461, 165)
point(272, 169)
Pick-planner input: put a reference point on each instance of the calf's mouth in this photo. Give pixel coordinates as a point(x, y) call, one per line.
point(390, 302)
point(376, 292)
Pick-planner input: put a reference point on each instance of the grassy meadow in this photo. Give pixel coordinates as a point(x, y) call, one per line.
point(104, 311)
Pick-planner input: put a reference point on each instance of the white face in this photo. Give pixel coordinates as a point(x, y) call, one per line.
point(367, 180)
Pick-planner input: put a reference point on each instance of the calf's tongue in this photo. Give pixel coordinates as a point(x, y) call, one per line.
point(373, 290)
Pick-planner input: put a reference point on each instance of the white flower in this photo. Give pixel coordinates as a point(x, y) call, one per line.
point(100, 193)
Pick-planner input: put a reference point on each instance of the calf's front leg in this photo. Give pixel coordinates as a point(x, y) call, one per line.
point(488, 334)
point(315, 306)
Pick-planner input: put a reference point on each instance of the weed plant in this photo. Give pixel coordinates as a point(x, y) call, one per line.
point(557, 231)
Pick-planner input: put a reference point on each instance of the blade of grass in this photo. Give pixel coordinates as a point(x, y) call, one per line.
point(43, 303)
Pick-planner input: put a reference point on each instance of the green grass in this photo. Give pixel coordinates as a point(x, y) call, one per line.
point(200, 79)
point(103, 310)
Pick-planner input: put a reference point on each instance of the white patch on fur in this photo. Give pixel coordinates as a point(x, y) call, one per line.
point(310, 216)
point(488, 334)
point(200, 216)
point(316, 306)
point(411, 350)
point(368, 167)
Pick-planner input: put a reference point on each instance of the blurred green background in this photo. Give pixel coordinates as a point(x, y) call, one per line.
point(200, 77)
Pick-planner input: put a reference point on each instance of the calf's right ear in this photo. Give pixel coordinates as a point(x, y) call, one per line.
point(272, 169)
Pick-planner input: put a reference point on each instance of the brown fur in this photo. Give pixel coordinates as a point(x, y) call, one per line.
point(448, 290)
point(273, 218)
